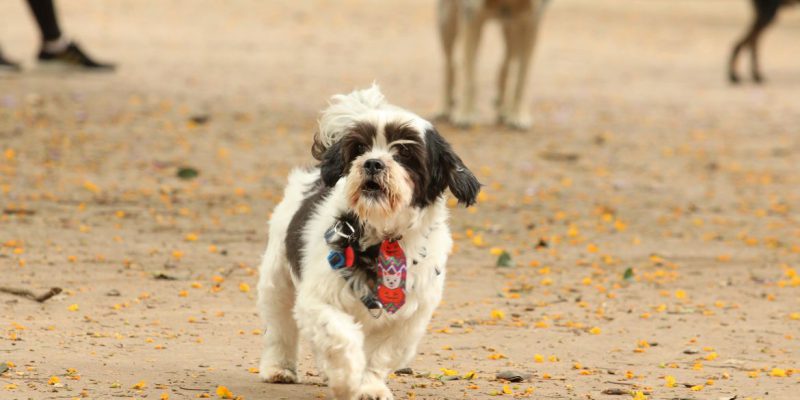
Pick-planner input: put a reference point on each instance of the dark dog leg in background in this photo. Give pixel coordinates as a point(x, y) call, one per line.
point(765, 12)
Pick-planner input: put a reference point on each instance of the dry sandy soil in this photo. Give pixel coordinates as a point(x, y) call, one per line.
point(641, 157)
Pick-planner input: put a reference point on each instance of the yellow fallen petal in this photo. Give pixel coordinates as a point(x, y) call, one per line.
point(448, 372)
point(778, 373)
point(497, 314)
point(224, 393)
point(638, 395)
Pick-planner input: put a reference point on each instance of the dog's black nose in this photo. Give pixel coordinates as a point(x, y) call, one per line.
point(373, 166)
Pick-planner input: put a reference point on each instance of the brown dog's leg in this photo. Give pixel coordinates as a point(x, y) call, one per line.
point(448, 28)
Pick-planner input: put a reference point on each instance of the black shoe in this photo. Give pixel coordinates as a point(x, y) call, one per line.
point(8, 65)
point(75, 57)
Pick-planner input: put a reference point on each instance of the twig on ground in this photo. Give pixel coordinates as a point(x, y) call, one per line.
point(30, 295)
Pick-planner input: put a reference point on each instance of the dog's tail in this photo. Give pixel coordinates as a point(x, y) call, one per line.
point(342, 112)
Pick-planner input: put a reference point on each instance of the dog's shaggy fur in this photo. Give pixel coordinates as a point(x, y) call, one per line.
point(298, 290)
point(463, 20)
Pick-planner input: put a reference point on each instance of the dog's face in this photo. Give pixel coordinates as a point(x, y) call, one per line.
point(392, 166)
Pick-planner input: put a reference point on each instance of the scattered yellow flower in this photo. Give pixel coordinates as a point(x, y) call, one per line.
point(538, 358)
point(670, 381)
point(497, 314)
point(595, 331)
point(778, 373)
point(73, 307)
point(448, 372)
point(191, 237)
point(88, 185)
point(244, 287)
point(53, 380)
point(139, 386)
point(224, 393)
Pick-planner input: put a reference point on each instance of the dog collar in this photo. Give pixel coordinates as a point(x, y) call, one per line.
point(384, 262)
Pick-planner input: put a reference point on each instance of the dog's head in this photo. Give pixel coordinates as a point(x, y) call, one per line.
point(392, 160)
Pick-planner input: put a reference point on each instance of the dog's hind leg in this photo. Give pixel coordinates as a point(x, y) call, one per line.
point(519, 117)
point(448, 28)
point(766, 16)
point(502, 102)
point(470, 30)
point(276, 298)
point(765, 12)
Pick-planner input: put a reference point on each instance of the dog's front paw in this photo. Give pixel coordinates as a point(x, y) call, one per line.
point(278, 375)
point(518, 122)
point(374, 391)
point(462, 120)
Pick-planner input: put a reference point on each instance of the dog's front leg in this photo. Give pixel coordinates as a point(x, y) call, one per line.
point(389, 349)
point(337, 341)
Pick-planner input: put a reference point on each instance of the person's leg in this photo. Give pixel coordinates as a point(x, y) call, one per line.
point(56, 47)
point(45, 13)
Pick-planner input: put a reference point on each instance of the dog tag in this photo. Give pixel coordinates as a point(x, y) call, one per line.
point(391, 276)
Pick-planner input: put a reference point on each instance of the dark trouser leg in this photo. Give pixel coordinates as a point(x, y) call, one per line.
point(45, 13)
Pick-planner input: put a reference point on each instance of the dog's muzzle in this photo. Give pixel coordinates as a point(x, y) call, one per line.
point(372, 170)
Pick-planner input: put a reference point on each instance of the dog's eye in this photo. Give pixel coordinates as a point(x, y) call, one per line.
point(403, 151)
point(361, 149)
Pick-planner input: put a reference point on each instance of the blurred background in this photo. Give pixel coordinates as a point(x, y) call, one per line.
point(651, 200)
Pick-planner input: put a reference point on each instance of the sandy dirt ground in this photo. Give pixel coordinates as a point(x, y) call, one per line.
point(641, 159)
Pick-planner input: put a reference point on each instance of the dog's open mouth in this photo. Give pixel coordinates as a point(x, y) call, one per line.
point(372, 187)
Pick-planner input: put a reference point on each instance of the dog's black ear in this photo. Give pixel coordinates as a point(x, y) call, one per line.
point(332, 165)
point(448, 171)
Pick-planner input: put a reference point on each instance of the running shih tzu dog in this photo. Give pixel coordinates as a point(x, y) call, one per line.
point(358, 246)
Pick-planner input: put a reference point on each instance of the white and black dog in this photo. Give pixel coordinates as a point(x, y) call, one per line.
point(358, 246)
point(464, 20)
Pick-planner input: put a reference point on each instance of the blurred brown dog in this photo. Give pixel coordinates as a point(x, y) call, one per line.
point(764, 16)
point(464, 20)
